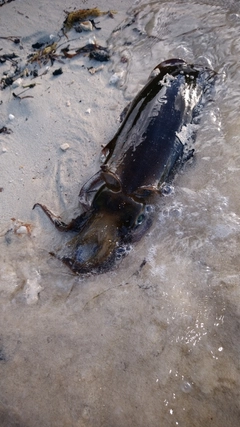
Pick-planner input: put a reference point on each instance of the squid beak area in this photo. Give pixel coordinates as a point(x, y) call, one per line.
point(93, 250)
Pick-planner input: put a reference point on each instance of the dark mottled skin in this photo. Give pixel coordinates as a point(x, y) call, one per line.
point(143, 156)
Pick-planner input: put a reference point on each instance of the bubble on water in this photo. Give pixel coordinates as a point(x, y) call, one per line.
point(167, 190)
point(204, 61)
point(175, 212)
point(233, 18)
point(186, 387)
point(122, 251)
point(184, 53)
point(149, 209)
point(165, 212)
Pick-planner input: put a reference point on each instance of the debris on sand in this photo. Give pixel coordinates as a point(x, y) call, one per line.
point(83, 14)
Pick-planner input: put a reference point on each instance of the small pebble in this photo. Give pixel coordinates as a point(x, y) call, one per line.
point(93, 70)
point(57, 72)
point(4, 150)
point(68, 103)
point(186, 387)
point(92, 40)
point(65, 146)
point(115, 78)
point(11, 117)
point(88, 111)
point(17, 83)
point(22, 230)
point(86, 26)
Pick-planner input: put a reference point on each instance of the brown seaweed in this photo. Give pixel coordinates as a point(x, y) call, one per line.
point(44, 55)
point(83, 14)
point(100, 53)
point(27, 87)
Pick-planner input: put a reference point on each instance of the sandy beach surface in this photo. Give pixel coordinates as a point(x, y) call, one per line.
point(155, 342)
point(56, 110)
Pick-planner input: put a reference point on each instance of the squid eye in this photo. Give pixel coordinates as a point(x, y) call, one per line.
point(140, 219)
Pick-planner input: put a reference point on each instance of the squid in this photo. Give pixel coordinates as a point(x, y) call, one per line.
point(153, 141)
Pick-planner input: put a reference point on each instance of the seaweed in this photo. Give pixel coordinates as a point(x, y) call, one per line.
point(3, 2)
point(44, 55)
point(14, 39)
point(83, 14)
point(37, 45)
point(94, 24)
point(100, 54)
point(5, 82)
point(6, 131)
point(8, 57)
point(26, 87)
point(97, 52)
point(57, 72)
point(47, 52)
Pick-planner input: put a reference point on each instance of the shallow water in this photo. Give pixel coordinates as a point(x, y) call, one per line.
point(148, 344)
